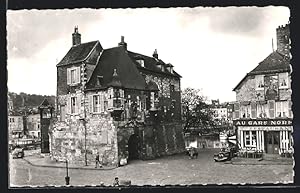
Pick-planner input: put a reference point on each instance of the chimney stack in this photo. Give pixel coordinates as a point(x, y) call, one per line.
point(155, 54)
point(123, 43)
point(76, 37)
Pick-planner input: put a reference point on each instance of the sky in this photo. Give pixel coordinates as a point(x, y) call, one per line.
point(211, 48)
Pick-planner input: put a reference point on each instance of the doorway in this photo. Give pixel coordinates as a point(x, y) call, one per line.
point(272, 142)
point(133, 147)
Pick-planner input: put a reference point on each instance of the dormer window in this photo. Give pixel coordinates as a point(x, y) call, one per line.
point(99, 80)
point(141, 62)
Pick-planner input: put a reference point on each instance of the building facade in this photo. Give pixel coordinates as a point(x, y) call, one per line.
point(116, 103)
point(263, 110)
point(33, 122)
point(15, 126)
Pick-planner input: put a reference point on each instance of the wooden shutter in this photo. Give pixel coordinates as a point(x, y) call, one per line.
point(101, 101)
point(290, 109)
point(78, 73)
point(271, 109)
point(68, 76)
point(253, 110)
point(236, 108)
point(91, 103)
point(68, 107)
point(78, 104)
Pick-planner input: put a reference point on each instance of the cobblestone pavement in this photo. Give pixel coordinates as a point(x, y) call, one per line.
point(170, 170)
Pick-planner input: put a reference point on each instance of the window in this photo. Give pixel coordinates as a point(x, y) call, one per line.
point(96, 103)
point(73, 75)
point(259, 82)
point(172, 88)
point(283, 80)
point(245, 111)
point(262, 110)
point(236, 109)
point(250, 138)
point(141, 62)
point(73, 105)
point(282, 108)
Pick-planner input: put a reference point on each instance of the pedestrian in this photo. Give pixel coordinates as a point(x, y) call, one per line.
point(98, 161)
point(116, 182)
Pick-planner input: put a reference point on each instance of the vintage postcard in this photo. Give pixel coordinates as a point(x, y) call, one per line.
point(149, 96)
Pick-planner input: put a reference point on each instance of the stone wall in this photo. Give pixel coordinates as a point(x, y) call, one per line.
point(95, 132)
point(248, 92)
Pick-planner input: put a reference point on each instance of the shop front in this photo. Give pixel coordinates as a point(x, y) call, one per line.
point(265, 136)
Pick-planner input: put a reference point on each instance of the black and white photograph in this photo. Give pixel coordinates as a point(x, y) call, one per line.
point(113, 97)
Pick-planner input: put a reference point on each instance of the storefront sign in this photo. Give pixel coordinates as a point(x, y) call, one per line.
point(269, 122)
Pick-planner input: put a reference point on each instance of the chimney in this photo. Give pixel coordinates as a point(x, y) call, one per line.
point(76, 37)
point(123, 43)
point(283, 39)
point(155, 55)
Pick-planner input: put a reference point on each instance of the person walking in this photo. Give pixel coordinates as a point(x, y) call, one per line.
point(98, 161)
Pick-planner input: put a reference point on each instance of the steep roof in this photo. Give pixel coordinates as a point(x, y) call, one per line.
point(117, 58)
point(150, 63)
point(78, 53)
point(274, 63)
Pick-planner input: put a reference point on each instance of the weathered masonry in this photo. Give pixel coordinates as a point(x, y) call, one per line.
point(116, 103)
point(263, 110)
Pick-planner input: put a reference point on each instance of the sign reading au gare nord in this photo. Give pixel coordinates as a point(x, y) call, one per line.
point(265, 122)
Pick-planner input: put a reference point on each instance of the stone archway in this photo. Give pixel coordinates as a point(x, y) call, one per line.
point(133, 147)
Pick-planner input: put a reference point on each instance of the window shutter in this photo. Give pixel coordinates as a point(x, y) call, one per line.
point(271, 109)
point(101, 102)
point(68, 76)
point(290, 109)
point(68, 108)
point(78, 73)
point(78, 104)
point(91, 103)
point(253, 110)
point(236, 110)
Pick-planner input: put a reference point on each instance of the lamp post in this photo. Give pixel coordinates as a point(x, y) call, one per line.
point(67, 178)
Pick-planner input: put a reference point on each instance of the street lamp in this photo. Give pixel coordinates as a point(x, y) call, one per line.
point(67, 178)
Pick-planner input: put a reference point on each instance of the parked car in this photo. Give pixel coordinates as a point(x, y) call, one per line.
point(18, 152)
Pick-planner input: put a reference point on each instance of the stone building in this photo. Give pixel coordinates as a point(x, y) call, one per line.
point(15, 126)
point(33, 122)
point(262, 112)
point(116, 103)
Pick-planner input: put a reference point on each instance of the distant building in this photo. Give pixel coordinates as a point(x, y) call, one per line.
point(33, 122)
point(15, 126)
point(10, 105)
point(120, 104)
point(263, 110)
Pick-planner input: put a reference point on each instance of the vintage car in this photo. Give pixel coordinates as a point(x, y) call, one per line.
point(226, 154)
point(18, 152)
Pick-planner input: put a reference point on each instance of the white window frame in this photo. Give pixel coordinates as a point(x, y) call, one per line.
point(259, 82)
point(76, 79)
point(96, 107)
point(141, 62)
point(282, 108)
point(245, 109)
point(252, 139)
point(100, 106)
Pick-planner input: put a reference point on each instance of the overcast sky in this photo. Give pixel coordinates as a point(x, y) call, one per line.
point(211, 48)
